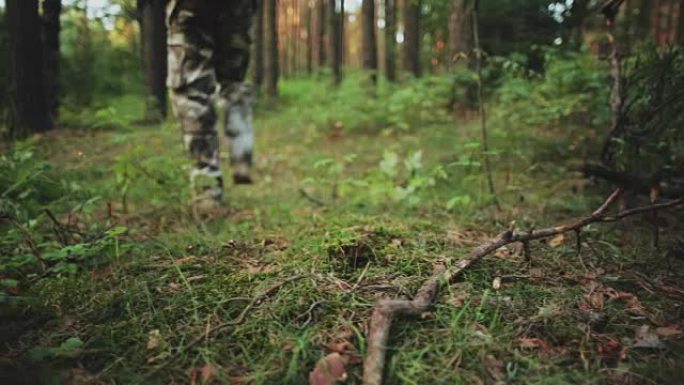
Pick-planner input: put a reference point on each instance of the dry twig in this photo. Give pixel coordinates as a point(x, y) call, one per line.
point(387, 309)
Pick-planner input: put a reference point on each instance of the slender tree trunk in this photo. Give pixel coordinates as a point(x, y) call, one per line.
point(335, 46)
point(680, 24)
point(52, 10)
point(258, 46)
point(480, 102)
point(412, 36)
point(271, 47)
point(460, 32)
point(319, 32)
point(391, 40)
point(28, 108)
point(153, 37)
point(655, 21)
point(369, 45)
point(308, 17)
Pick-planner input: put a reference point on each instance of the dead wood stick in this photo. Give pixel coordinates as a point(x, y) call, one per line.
point(387, 309)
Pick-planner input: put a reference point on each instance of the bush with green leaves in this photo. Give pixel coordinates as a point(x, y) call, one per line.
point(649, 136)
point(574, 89)
point(32, 245)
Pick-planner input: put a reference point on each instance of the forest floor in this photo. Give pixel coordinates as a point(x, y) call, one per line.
point(342, 214)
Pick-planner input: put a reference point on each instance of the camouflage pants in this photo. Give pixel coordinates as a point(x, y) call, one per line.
point(209, 46)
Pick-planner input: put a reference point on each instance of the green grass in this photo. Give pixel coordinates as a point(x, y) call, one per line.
point(173, 275)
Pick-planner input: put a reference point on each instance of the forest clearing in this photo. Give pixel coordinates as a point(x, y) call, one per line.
point(476, 222)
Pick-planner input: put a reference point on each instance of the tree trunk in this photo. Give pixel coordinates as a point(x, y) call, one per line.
point(259, 45)
point(52, 10)
point(153, 37)
point(335, 46)
point(680, 24)
point(271, 48)
point(576, 21)
point(460, 32)
point(655, 21)
point(391, 40)
point(319, 31)
point(412, 36)
point(28, 107)
point(369, 45)
point(308, 17)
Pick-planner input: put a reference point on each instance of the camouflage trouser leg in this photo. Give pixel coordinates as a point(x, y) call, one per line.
point(192, 83)
point(232, 60)
point(208, 48)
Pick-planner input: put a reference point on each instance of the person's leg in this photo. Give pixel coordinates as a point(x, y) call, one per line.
point(192, 82)
point(232, 61)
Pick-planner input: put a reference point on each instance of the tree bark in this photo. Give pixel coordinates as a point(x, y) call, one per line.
point(52, 10)
point(259, 45)
point(319, 32)
point(391, 40)
point(153, 39)
point(271, 71)
point(28, 107)
point(308, 17)
point(460, 32)
point(680, 24)
point(335, 38)
point(369, 45)
point(412, 37)
point(655, 21)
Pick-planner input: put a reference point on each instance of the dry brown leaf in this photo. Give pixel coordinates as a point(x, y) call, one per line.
point(496, 283)
point(153, 339)
point(184, 260)
point(495, 368)
point(341, 347)
point(458, 300)
point(669, 331)
point(207, 374)
point(329, 370)
point(595, 299)
point(557, 240)
point(536, 272)
point(427, 315)
point(645, 338)
point(533, 343)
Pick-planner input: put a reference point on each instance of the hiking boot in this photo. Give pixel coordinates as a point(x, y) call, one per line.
point(241, 173)
point(207, 187)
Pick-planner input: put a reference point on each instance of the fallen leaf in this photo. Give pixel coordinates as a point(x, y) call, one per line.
point(458, 300)
point(645, 338)
point(669, 331)
point(340, 347)
point(557, 240)
point(595, 300)
point(184, 260)
point(502, 252)
point(328, 370)
point(495, 368)
point(533, 343)
point(536, 273)
point(496, 283)
point(427, 315)
point(153, 339)
point(207, 373)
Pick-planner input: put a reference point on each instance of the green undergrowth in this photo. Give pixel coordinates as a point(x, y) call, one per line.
point(354, 201)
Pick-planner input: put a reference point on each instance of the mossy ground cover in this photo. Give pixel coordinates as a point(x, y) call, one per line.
point(358, 205)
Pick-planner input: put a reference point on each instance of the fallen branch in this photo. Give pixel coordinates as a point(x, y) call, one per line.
point(387, 309)
point(637, 183)
point(221, 327)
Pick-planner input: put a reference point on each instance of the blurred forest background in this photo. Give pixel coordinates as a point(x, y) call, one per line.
point(393, 137)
